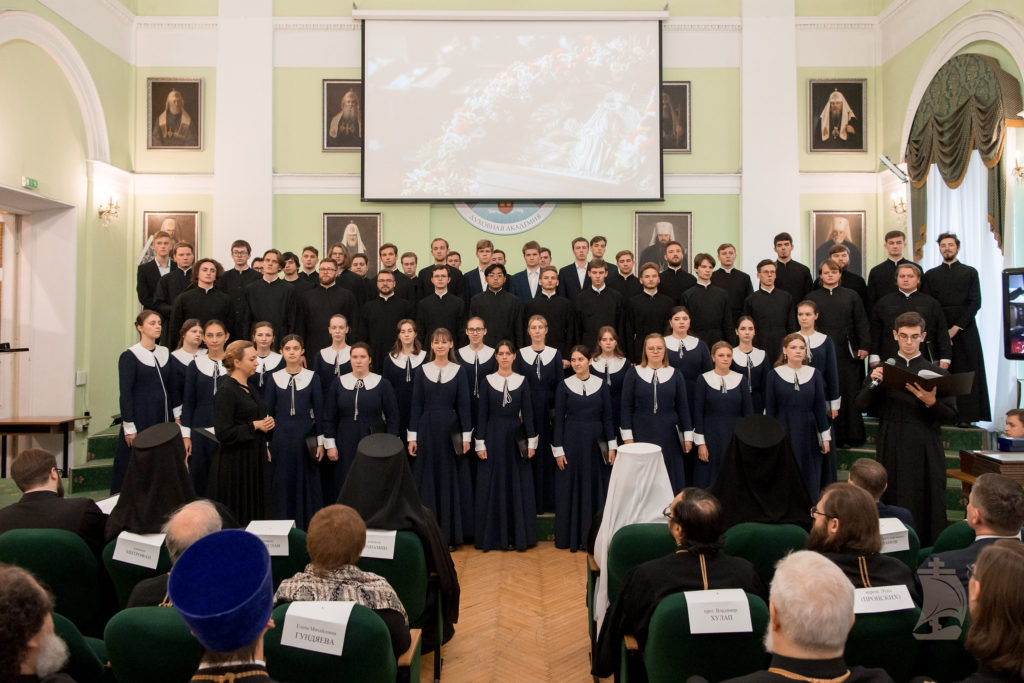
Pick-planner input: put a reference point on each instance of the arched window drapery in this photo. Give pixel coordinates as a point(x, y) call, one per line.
point(964, 108)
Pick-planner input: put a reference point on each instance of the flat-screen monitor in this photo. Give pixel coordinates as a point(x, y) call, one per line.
point(473, 110)
point(1013, 313)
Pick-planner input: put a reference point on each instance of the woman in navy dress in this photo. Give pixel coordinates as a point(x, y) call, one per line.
point(190, 339)
point(358, 403)
point(583, 420)
point(400, 367)
point(331, 362)
point(295, 400)
point(654, 409)
point(268, 361)
point(722, 398)
point(440, 409)
point(541, 365)
point(686, 353)
point(478, 359)
point(750, 362)
point(203, 379)
point(610, 364)
point(795, 395)
point(506, 515)
point(144, 377)
point(821, 355)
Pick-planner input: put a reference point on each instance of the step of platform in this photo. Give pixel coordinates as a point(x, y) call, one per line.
point(102, 445)
point(95, 475)
point(953, 438)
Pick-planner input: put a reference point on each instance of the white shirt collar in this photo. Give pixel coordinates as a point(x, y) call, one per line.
point(727, 270)
point(498, 382)
point(470, 356)
point(714, 380)
point(906, 294)
point(302, 378)
point(185, 357)
point(416, 359)
point(907, 360)
point(269, 361)
point(756, 356)
point(349, 381)
point(603, 287)
point(816, 339)
point(689, 342)
point(332, 357)
point(448, 372)
point(385, 297)
point(604, 365)
point(575, 385)
point(206, 365)
point(647, 374)
point(146, 356)
point(804, 374)
point(766, 290)
point(530, 356)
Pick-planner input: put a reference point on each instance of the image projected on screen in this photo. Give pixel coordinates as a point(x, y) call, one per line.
point(460, 110)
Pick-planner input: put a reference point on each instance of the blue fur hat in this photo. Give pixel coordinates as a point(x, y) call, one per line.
point(223, 589)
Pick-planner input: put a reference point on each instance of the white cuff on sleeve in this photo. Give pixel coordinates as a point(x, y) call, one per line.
point(329, 443)
point(687, 436)
point(945, 360)
point(835, 405)
point(873, 358)
point(467, 436)
point(558, 451)
point(824, 436)
point(319, 439)
point(186, 433)
point(698, 438)
point(480, 445)
point(532, 442)
point(613, 445)
point(627, 434)
point(129, 428)
point(410, 435)
point(176, 412)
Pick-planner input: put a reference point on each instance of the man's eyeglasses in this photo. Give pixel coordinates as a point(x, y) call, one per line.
point(815, 512)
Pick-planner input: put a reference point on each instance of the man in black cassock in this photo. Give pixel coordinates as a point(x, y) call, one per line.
point(379, 317)
point(175, 282)
point(203, 300)
point(316, 306)
point(622, 280)
point(502, 312)
point(442, 308)
point(772, 310)
point(909, 297)
point(574, 278)
point(310, 257)
point(414, 293)
point(233, 282)
point(851, 280)
point(674, 278)
point(957, 289)
point(734, 281)
point(345, 278)
point(456, 283)
point(597, 306)
point(790, 275)
point(556, 310)
point(841, 316)
point(696, 523)
point(882, 278)
point(646, 313)
point(710, 317)
point(389, 261)
point(270, 299)
point(909, 441)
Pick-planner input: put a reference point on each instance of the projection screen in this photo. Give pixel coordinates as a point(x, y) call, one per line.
point(470, 110)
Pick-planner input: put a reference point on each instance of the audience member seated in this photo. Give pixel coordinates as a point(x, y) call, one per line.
point(379, 486)
point(696, 523)
point(30, 651)
point(871, 476)
point(1014, 428)
point(43, 505)
point(995, 510)
point(186, 526)
point(845, 530)
point(996, 637)
point(811, 610)
point(336, 538)
point(224, 591)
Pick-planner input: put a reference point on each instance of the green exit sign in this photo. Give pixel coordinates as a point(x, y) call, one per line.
point(30, 183)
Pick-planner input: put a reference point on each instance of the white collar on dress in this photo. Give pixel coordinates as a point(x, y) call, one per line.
point(689, 341)
point(575, 385)
point(416, 359)
point(530, 356)
point(146, 356)
point(604, 365)
point(756, 356)
point(331, 356)
point(498, 382)
point(714, 380)
point(185, 357)
point(647, 374)
point(269, 361)
point(805, 373)
point(816, 339)
point(349, 381)
point(483, 355)
point(431, 370)
point(206, 365)
point(302, 378)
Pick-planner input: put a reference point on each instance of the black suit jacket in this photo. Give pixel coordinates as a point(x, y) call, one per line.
point(45, 510)
point(569, 282)
point(471, 280)
point(146, 280)
point(960, 559)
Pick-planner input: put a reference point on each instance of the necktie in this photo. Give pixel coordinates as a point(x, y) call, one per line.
point(408, 368)
point(608, 373)
point(750, 375)
point(291, 389)
point(262, 362)
point(536, 364)
point(584, 388)
point(506, 397)
point(216, 375)
point(724, 390)
point(807, 345)
point(163, 388)
point(796, 381)
point(682, 348)
point(439, 375)
point(654, 384)
point(355, 413)
point(337, 364)
point(476, 375)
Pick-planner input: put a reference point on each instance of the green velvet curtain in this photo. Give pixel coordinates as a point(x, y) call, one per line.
point(964, 108)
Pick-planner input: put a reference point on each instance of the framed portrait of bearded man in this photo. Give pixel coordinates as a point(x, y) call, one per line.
point(837, 115)
point(343, 115)
point(174, 113)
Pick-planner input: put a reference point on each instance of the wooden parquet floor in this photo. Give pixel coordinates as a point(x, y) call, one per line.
point(523, 617)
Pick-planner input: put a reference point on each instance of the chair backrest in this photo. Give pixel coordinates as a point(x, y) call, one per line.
point(672, 653)
point(366, 656)
point(63, 562)
point(763, 545)
point(125, 575)
point(633, 545)
point(407, 573)
point(84, 665)
point(151, 644)
point(909, 556)
point(954, 537)
point(286, 566)
point(885, 640)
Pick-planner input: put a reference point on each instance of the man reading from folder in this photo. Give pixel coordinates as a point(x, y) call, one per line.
point(909, 422)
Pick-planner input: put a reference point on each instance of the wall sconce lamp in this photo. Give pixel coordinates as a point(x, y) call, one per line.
point(899, 205)
point(109, 211)
point(1018, 170)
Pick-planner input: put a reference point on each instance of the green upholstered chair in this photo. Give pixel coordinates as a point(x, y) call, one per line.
point(947, 660)
point(151, 644)
point(672, 653)
point(73, 580)
point(885, 640)
point(633, 545)
point(286, 566)
point(909, 556)
point(954, 537)
point(366, 656)
point(763, 544)
point(86, 656)
point(125, 575)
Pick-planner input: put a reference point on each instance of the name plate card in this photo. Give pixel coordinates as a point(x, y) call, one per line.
point(317, 626)
point(380, 544)
point(881, 599)
point(106, 505)
point(895, 536)
point(273, 533)
point(142, 550)
point(718, 611)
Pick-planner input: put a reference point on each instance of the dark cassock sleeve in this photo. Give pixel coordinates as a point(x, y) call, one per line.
point(861, 328)
point(389, 405)
point(127, 365)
